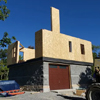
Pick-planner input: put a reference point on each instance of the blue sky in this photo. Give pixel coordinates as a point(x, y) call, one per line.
point(78, 18)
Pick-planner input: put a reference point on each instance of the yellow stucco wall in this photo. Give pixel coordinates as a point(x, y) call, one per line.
point(57, 46)
point(55, 20)
point(9, 56)
point(13, 53)
point(38, 44)
point(50, 44)
point(28, 53)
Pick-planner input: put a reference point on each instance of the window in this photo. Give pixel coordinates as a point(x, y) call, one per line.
point(53, 66)
point(82, 49)
point(70, 46)
point(14, 52)
point(62, 67)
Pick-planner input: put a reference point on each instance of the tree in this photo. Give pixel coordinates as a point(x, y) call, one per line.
point(20, 57)
point(99, 54)
point(3, 72)
point(94, 50)
point(4, 11)
point(3, 56)
point(6, 40)
point(30, 47)
point(94, 55)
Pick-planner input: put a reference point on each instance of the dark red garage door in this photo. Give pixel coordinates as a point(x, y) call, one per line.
point(59, 77)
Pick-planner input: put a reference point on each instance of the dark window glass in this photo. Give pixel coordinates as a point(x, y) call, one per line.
point(53, 66)
point(82, 49)
point(62, 67)
point(70, 46)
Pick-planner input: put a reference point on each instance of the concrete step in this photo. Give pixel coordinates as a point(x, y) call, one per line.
point(65, 91)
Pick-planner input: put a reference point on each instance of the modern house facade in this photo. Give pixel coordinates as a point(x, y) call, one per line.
point(59, 61)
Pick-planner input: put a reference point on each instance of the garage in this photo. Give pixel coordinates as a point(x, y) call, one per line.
point(59, 77)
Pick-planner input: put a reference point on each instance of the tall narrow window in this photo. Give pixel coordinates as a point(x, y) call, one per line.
point(70, 46)
point(82, 49)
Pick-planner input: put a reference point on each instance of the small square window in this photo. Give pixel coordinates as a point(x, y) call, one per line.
point(82, 49)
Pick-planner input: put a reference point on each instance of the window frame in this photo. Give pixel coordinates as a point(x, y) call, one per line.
point(70, 46)
point(82, 49)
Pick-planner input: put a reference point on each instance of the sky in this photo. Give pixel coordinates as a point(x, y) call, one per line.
point(78, 18)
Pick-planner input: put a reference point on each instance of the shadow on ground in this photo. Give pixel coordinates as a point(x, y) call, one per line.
point(72, 98)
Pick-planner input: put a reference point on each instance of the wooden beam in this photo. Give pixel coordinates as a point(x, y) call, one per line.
point(21, 45)
point(21, 48)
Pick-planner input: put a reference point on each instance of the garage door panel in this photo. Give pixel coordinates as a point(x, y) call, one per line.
point(59, 77)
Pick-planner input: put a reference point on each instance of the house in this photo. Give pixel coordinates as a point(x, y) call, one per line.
point(58, 61)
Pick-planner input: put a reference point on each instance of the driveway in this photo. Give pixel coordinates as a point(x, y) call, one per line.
point(42, 96)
